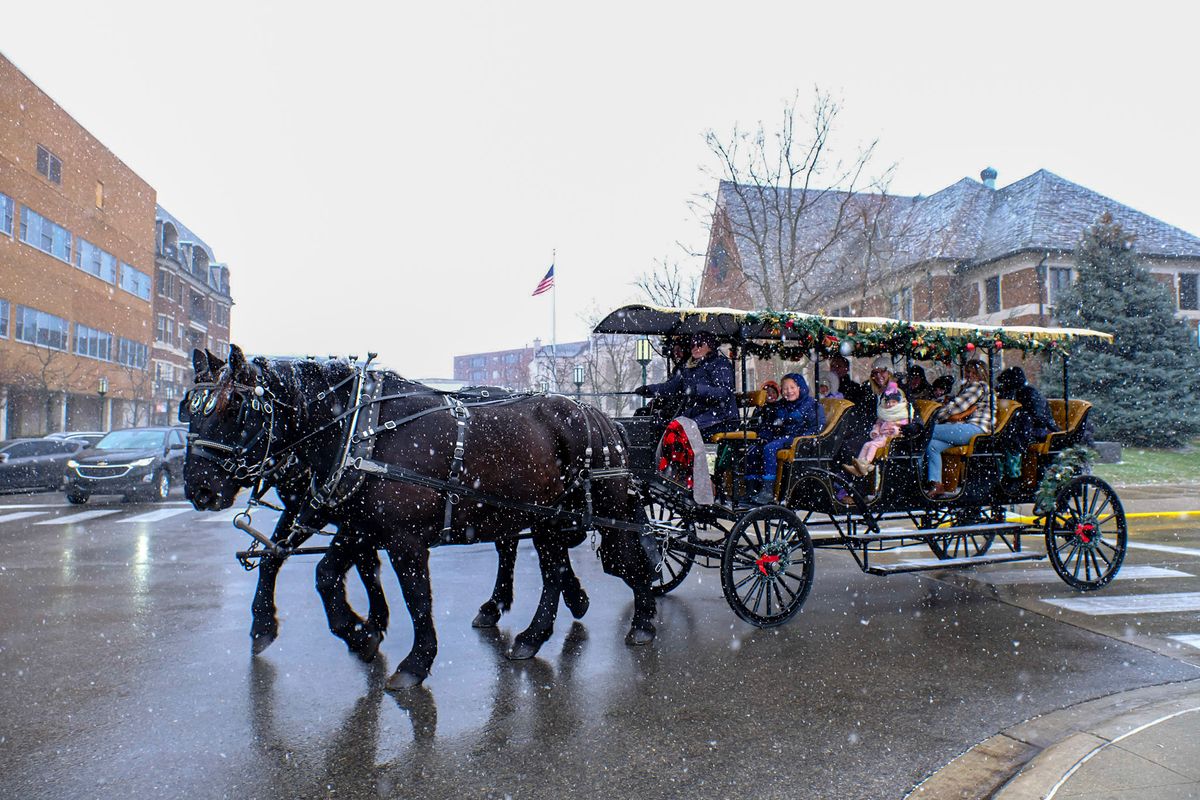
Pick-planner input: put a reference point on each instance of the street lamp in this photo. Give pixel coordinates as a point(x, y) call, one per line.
point(101, 390)
point(578, 375)
point(643, 353)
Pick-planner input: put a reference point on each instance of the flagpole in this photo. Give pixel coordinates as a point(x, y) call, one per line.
point(554, 320)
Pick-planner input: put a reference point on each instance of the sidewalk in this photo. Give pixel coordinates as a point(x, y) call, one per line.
point(1138, 744)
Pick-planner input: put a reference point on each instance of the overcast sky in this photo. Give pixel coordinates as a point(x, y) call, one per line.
point(394, 177)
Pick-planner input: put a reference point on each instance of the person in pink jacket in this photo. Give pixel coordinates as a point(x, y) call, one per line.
point(892, 412)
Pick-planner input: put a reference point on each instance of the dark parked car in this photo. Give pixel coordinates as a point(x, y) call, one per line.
point(34, 464)
point(85, 438)
point(133, 462)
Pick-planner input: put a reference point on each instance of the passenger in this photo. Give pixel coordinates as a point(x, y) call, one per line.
point(762, 415)
point(968, 414)
point(1030, 423)
point(796, 414)
point(915, 384)
point(861, 418)
point(850, 389)
point(943, 387)
point(772, 390)
point(828, 387)
point(893, 416)
point(704, 388)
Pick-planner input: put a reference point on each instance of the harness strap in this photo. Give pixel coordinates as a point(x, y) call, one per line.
point(461, 417)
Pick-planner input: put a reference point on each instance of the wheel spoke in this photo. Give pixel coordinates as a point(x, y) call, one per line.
point(744, 581)
point(760, 586)
point(779, 596)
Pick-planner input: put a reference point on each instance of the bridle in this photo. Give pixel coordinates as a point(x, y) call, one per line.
point(236, 461)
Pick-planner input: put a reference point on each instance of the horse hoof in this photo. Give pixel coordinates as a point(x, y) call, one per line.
point(402, 680)
point(485, 619)
point(639, 636)
point(364, 644)
point(260, 643)
point(579, 607)
point(522, 651)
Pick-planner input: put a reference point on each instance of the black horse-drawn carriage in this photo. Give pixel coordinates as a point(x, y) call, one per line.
point(399, 466)
point(765, 551)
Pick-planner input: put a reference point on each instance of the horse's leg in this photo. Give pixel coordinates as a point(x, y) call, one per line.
point(502, 594)
point(412, 569)
point(625, 558)
point(552, 557)
point(575, 598)
point(264, 627)
point(331, 584)
point(366, 561)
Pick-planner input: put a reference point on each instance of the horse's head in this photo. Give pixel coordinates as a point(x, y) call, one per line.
point(231, 416)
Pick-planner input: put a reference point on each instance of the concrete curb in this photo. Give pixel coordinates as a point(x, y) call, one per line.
point(1031, 759)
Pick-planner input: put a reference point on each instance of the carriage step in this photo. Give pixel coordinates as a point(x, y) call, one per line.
point(925, 565)
point(886, 534)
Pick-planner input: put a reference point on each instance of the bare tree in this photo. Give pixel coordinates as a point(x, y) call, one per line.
point(667, 284)
point(50, 373)
point(141, 384)
point(788, 206)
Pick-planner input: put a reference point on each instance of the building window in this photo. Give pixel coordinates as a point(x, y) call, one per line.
point(223, 315)
point(199, 305)
point(93, 343)
point(163, 328)
point(902, 304)
point(135, 281)
point(991, 294)
point(131, 353)
point(48, 165)
point(6, 214)
point(166, 284)
point(94, 261)
point(47, 236)
point(1189, 298)
point(478, 361)
point(1059, 281)
point(99, 194)
point(40, 328)
point(3, 319)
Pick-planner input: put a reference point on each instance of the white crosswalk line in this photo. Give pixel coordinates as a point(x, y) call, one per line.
point(1165, 548)
point(155, 516)
point(1041, 574)
point(32, 505)
point(73, 518)
point(20, 515)
point(1190, 639)
point(1129, 604)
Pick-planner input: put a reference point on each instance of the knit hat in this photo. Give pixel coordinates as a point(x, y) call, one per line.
point(831, 380)
point(892, 392)
point(882, 362)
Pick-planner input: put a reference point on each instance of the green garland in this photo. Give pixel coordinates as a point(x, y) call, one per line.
point(800, 335)
point(1068, 464)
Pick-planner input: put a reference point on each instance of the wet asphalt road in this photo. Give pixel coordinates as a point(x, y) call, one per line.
point(125, 671)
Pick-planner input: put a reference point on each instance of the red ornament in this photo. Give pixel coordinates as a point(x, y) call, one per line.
point(970, 347)
point(999, 345)
point(790, 324)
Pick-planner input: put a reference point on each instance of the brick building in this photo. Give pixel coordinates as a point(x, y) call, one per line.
point(76, 267)
point(191, 310)
point(82, 243)
point(511, 368)
point(970, 251)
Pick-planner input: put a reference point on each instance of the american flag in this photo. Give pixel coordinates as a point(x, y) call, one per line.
point(547, 283)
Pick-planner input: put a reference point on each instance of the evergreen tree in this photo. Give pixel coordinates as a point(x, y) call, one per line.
point(1145, 387)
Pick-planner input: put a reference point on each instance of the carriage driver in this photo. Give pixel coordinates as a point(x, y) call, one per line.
point(704, 387)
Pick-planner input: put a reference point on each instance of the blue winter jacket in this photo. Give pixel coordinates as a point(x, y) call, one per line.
point(803, 416)
point(706, 391)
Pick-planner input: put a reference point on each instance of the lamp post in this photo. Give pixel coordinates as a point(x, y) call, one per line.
point(643, 353)
point(577, 373)
point(101, 390)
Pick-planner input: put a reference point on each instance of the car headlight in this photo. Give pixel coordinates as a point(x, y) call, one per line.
point(72, 463)
point(142, 462)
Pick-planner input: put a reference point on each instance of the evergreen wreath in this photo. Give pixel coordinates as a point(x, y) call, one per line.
point(1067, 465)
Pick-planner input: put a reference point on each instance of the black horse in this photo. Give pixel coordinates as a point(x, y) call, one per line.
point(524, 464)
point(293, 483)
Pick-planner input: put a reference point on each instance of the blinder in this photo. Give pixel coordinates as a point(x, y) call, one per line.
point(202, 400)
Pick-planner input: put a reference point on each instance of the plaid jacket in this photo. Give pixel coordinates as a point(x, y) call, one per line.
point(972, 394)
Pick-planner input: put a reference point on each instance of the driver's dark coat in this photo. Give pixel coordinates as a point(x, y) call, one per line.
point(706, 391)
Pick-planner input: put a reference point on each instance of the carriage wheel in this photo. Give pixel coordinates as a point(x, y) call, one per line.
point(1086, 534)
point(961, 545)
point(767, 566)
point(670, 529)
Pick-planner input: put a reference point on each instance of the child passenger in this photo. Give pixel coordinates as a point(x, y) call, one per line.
point(892, 416)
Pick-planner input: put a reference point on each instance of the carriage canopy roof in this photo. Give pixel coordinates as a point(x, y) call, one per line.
point(865, 335)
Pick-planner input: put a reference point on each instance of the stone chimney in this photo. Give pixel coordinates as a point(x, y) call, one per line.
point(988, 176)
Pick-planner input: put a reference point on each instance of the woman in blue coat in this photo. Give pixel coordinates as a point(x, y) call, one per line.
point(796, 414)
